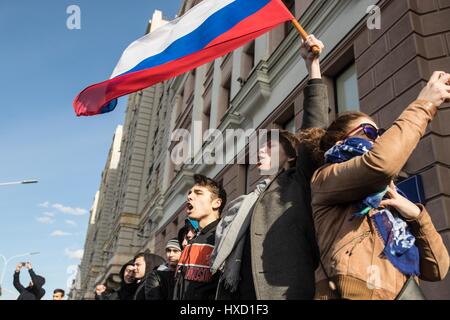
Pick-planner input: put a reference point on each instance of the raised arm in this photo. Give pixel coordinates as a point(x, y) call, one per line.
point(315, 104)
point(353, 180)
point(16, 281)
point(37, 283)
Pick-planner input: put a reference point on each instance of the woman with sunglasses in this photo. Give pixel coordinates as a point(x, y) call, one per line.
point(372, 239)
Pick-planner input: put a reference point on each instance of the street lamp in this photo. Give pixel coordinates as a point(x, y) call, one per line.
point(18, 182)
point(6, 261)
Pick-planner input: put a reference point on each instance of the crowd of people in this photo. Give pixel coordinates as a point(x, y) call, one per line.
point(330, 224)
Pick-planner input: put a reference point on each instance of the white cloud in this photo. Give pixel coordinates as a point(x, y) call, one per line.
point(44, 204)
point(59, 233)
point(69, 210)
point(71, 223)
point(74, 254)
point(49, 214)
point(45, 220)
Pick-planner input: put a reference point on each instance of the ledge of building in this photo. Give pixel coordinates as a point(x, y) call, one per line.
point(255, 92)
point(182, 182)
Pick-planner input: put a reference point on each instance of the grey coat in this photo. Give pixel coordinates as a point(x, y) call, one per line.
point(284, 252)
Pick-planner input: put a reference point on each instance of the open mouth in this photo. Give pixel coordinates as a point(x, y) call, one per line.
point(262, 160)
point(189, 207)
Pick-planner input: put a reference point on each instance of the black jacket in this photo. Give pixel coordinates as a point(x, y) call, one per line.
point(194, 280)
point(126, 290)
point(36, 292)
point(151, 263)
point(159, 285)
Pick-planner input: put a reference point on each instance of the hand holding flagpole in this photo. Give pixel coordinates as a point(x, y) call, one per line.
point(315, 49)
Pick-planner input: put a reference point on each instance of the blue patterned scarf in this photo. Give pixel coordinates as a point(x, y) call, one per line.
point(399, 242)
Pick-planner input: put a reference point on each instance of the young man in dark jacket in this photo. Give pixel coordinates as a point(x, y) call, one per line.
point(144, 263)
point(160, 283)
point(205, 203)
point(271, 252)
point(34, 291)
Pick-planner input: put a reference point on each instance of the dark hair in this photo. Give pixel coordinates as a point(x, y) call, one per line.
point(310, 145)
point(317, 141)
point(289, 142)
point(213, 186)
point(181, 235)
point(339, 128)
point(139, 255)
point(59, 291)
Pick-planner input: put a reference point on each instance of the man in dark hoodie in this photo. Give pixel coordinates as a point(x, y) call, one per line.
point(144, 263)
point(34, 291)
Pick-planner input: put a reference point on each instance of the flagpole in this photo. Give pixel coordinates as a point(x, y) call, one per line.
point(315, 49)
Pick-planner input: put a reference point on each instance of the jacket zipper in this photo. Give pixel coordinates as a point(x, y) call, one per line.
point(361, 237)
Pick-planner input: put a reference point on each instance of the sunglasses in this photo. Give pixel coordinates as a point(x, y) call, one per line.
point(369, 130)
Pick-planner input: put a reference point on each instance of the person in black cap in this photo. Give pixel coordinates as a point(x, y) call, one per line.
point(34, 291)
point(160, 283)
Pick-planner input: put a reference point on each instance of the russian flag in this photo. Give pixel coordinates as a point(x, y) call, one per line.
point(209, 30)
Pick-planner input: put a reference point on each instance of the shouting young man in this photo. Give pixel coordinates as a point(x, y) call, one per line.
point(205, 202)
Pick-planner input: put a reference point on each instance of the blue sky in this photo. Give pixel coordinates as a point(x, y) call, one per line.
point(43, 66)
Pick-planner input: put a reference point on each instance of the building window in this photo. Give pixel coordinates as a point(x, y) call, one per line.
point(347, 90)
point(189, 87)
point(277, 35)
point(179, 103)
point(157, 186)
point(224, 97)
point(290, 125)
point(206, 117)
point(288, 26)
point(207, 93)
point(247, 62)
point(150, 171)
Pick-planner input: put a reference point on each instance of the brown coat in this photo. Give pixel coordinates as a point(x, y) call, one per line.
point(351, 251)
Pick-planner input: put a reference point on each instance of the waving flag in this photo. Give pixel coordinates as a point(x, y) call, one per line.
point(207, 31)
